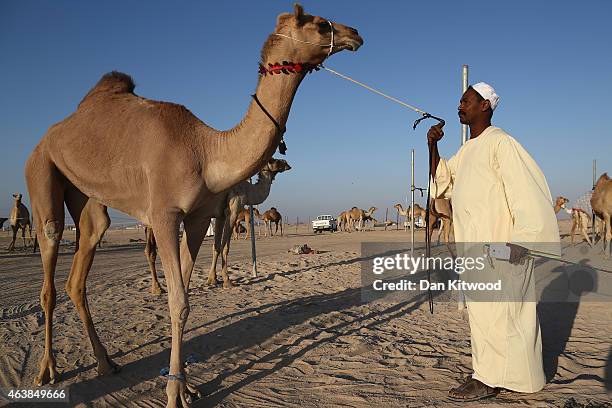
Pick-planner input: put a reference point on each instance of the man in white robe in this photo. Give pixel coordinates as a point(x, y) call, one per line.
point(499, 195)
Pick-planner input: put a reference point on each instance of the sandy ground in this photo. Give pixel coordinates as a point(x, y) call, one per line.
point(297, 335)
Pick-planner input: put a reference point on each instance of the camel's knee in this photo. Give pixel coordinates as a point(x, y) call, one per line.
point(179, 310)
point(47, 296)
point(53, 231)
point(75, 292)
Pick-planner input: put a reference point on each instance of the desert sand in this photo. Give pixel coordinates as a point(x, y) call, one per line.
point(297, 335)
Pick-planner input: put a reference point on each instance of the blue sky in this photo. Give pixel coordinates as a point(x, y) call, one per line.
point(550, 62)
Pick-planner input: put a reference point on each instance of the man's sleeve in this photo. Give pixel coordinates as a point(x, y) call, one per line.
point(528, 198)
point(442, 185)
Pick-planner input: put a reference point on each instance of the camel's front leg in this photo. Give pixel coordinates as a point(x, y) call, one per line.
point(166, 230)
point(11, 246)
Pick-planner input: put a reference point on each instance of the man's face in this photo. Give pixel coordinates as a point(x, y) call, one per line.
point(472, 107)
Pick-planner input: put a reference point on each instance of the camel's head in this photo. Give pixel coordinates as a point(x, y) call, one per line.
point(398, 206)
point(306, 38)
point(275, 166)
point(17, 197)
point(561, 201)
point(372, 209)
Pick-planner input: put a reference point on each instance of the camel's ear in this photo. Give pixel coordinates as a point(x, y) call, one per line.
point(282, 19)
point(298, 11)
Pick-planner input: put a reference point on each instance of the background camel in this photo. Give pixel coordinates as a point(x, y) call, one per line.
point(404, 213)
point(240, 195)
point(245, 216)
point(19, 219)
point(601, 202)
point(2, 221)
point(440, 210)
point(272, 216)
point(343, 221)
point(560, 203)
point(357, 215)
point(102, 155)
point(230, 204)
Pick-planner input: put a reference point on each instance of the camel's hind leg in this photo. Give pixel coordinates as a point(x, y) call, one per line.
point(46, 186)
point(573, 230)
point(151, 255)
point(92, 220)
point(212, 274)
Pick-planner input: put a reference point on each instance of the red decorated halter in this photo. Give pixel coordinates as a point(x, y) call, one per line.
point(287, 68)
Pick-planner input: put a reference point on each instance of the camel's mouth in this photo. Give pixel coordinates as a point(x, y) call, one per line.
point(352, 44)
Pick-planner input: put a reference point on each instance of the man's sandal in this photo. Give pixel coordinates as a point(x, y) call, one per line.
point(472, 390)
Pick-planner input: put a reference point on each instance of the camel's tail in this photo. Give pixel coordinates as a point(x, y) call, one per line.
point(112, 83)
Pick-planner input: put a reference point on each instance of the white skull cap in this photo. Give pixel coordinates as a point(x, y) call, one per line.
point(488, 93)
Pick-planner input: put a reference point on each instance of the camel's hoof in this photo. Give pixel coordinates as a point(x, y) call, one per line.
point(157, 290)
point(181, 391)
point(212, 282)
point(227, 284)
point(107, 367)
point(48, 373)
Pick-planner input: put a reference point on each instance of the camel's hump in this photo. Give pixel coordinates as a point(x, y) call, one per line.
point(112, 83)
point(115, 81)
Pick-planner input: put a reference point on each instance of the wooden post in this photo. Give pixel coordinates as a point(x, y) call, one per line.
point(297, 222)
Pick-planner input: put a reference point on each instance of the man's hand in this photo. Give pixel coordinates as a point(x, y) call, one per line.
point(435, 133)
point(518, 254)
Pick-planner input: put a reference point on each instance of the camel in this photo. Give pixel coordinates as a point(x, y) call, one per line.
point(580, 219)
point(230, 205)
point(19, 219)
point(357, 215)
point(245, 215)
point(440, 210)
point(404, 213)
point(158, 163)
point(560, 204)
point(2, 221)
point(272, 216)
point(238, 196)
point(601, 202)
point(344, 221)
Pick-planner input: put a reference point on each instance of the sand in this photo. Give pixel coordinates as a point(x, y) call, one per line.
point(297, 335)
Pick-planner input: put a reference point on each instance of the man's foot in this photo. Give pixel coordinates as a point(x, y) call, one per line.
point(472, 390)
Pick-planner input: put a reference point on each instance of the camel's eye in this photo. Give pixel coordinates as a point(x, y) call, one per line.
point(324, 27)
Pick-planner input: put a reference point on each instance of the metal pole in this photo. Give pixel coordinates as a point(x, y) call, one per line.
point(412, 207)
point(253, 252)
point(592, 212)
point(297, 222)
point(386, 217)
point(465, 87)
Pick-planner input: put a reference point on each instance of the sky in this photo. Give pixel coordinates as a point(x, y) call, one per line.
point(550, 62)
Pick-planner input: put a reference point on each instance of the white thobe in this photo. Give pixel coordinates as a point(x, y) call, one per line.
point(500, 195)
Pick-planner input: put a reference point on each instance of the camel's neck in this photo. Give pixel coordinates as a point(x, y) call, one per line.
point(237, 154)
point(258, 192)
point(557, 208)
